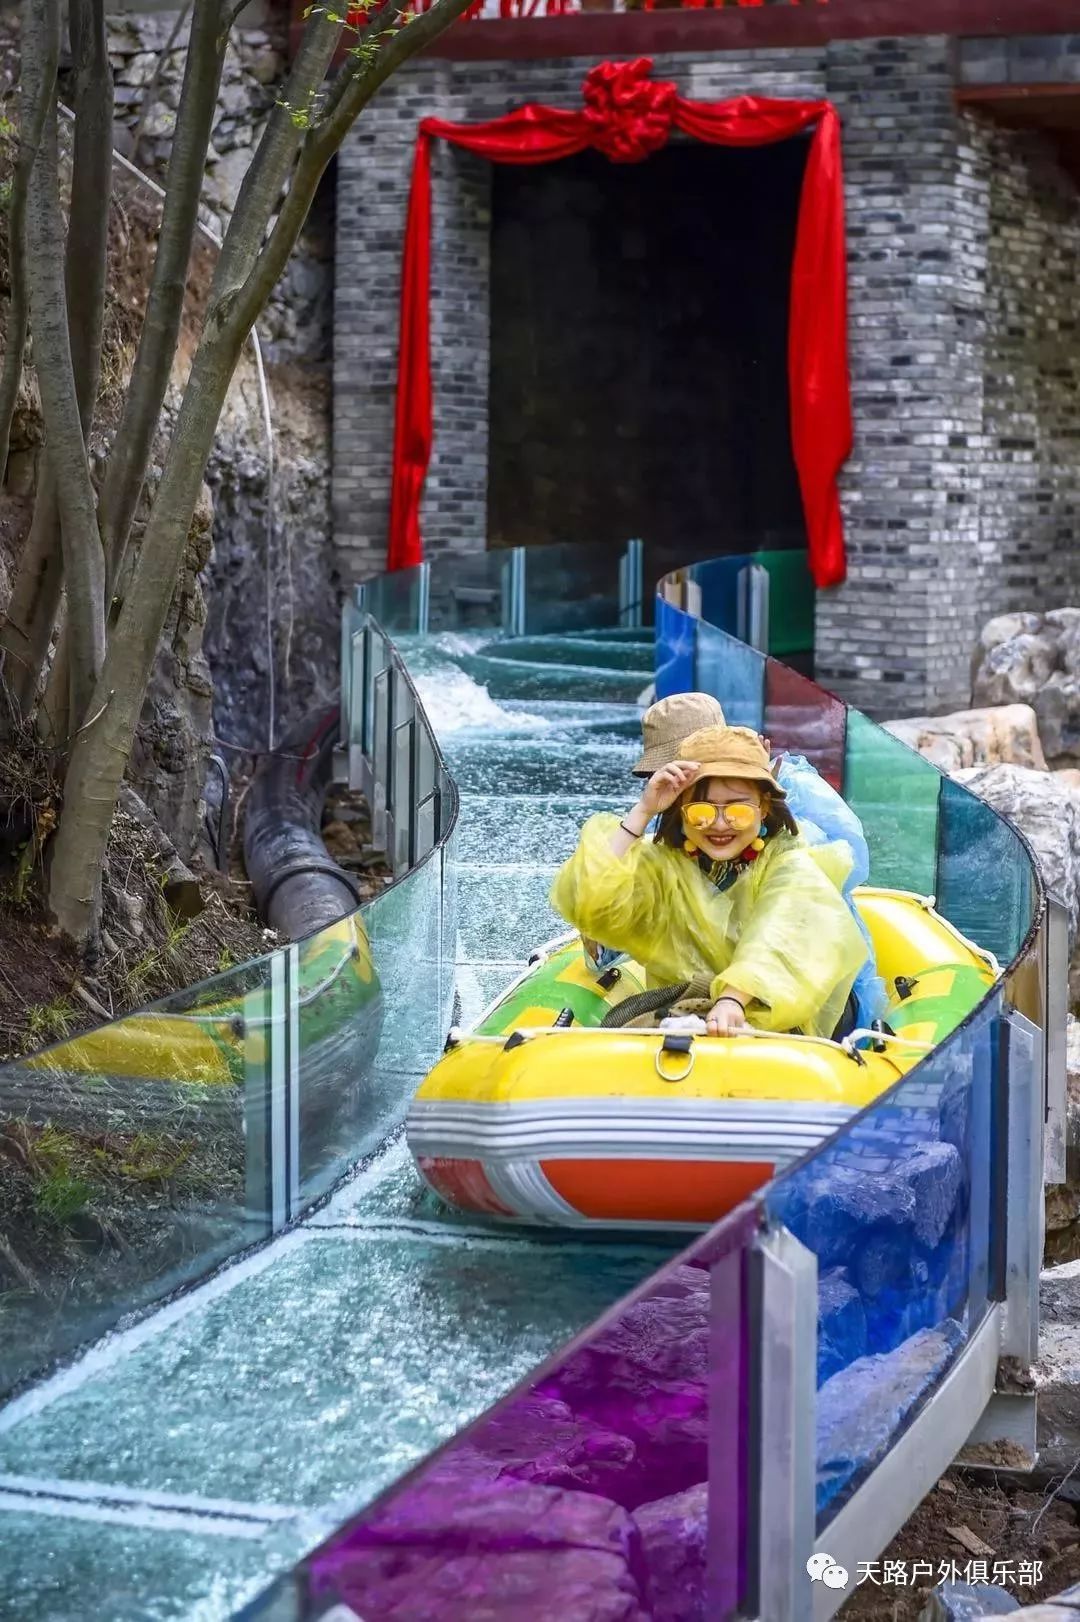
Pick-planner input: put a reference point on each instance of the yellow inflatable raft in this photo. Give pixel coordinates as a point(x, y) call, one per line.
point(534, 1118)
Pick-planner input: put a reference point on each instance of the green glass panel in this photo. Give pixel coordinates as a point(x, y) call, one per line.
point(791, 601)
point(895, 793)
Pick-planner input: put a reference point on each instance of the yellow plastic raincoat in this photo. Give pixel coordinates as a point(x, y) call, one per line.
point(782, 932)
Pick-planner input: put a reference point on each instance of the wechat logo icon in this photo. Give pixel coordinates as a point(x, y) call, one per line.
point(822, 1568)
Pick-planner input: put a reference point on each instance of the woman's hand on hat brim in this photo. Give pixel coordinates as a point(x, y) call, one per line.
point(665, 786)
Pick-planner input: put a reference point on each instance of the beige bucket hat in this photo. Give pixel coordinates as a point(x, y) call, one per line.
point(736, 752)
point(666, 723)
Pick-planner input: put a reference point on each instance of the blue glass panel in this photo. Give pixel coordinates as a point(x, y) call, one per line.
point(897, 1210)
point(984, 877)
point(734, 673)
point(718, 581)
point(676, 633)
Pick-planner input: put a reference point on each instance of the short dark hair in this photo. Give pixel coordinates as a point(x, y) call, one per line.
point(775, 815)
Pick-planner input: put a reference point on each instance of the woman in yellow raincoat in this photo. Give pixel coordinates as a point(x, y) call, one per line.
point(725, 889)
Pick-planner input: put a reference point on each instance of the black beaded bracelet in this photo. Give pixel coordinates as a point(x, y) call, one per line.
point(629, 831)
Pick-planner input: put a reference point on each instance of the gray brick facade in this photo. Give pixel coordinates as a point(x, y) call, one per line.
point(961, 496)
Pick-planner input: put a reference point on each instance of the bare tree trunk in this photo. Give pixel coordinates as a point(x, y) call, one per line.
point(84, 566)
point(126, 468)
point(35, 102)
point(31, 612)
point(35, 598)
point(246, 273)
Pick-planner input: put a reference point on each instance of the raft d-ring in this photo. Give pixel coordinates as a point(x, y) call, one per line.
point(675, 1044)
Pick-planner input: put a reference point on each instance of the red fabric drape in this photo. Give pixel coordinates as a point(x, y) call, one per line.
point(627, 116)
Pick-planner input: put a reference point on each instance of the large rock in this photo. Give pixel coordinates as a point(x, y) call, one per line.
point(1063, 1199)
point(1046, 813)
point(537, 1439)
point(1057, 1373)
point(967, 1602)
point(673, 1541)
point(485, 1549)
point(1006, 735)
point(645, 1377)
point(1035, 659)
point(862, 1409)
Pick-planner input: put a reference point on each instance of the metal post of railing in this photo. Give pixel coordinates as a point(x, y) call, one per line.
point(1055, 1028)
point(272, 1094)
point(631, 585)
point(783, 1318)
point(423, 599)
point(1022, 1058)
point(752, 607)
point(401, 787)
point(513, 592)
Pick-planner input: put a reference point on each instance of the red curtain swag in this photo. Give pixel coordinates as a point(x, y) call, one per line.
point(627, 116)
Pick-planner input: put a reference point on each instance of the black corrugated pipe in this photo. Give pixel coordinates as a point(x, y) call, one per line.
point(298, 888)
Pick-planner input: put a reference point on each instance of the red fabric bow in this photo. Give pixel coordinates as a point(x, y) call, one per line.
point(629, 115)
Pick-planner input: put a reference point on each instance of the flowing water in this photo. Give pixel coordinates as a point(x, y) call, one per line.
point(183, 1463)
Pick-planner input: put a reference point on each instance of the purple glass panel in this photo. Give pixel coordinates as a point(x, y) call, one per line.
point(801, 718)
point(612, 1485)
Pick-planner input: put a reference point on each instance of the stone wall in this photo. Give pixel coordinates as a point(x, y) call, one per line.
point(960, 498)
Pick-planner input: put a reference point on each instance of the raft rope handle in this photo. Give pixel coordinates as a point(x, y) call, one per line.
point(883, 1038)
point(528, 1032)
point(675, 1044)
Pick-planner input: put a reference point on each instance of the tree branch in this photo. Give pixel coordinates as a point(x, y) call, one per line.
point(126, 467)
point(34, 109)
point(91, 189)
point(324, 140)
point(84, 566)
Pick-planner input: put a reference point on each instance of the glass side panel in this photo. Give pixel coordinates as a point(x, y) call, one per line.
point(718, 580)
point(570, 587)
point(133, 1162)
point(802, 719)
point(791, 602)
point(404, 927)
point(894, 792)
point(339, 1020)
point(733, 673)
point(395, 599)
point(676, 632)
point(896, 1208)
point(616, 1475)
point(983, 878)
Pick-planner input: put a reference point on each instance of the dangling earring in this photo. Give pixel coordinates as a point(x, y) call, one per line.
point(762, 835)
point(690, 849)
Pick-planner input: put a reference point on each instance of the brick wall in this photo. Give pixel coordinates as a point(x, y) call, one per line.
point(961, 496)
point(1030, 492)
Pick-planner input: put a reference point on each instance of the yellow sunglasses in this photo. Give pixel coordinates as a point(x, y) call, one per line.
point(703, 814)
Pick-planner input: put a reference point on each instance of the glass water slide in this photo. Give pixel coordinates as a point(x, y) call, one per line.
point(206, 1448)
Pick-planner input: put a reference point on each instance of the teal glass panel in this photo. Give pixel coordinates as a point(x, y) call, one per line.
point(984, 875)
point(894, 792)
point(791, 602)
